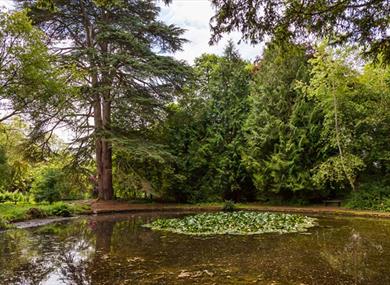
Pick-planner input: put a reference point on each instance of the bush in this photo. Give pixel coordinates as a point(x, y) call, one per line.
point(229, 206)
point(373, 196)
point(4, 224)
point(49, 185)
point(36, 213)
point(61, 210)
point(13, 197)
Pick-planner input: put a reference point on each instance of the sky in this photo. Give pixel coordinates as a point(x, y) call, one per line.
point(194, 16)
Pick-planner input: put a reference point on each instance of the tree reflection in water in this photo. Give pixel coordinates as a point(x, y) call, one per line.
point(352, 258)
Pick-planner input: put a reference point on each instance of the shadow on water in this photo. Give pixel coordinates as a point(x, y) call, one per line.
point(115, 249)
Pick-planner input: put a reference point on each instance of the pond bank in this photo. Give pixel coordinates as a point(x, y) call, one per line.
point(103, 207)
point(93, 207)
point(13, 214)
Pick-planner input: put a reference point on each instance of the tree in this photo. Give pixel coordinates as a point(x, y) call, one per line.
point(332, 84)
point(282, 127)
point(27, 75)
point(204, 131)
point(15, 162)
point(364, 22)
point(117, 47)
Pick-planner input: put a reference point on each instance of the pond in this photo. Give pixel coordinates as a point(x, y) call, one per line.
point(116, 249)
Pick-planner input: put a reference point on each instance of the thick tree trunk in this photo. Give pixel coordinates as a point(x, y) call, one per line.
point(98, 145)
point(103, 150)
point(102, 114)
point(107, 188)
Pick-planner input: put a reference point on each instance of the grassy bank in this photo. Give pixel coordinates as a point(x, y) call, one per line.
point(10, 213)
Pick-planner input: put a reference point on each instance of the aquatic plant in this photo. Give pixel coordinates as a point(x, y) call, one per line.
point(235, 223)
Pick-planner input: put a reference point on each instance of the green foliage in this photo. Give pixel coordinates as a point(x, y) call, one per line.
point(120, 67)
point(20, 212)
point(15, 164)
point(13, 197)
point(236, 223)
point(282, 127)
point(364, 23)
point(299, 124)
point(36, 213)
point(49, 185)
point(61, 209)
point(371, 196)
point(140, 168)
point(4, 224)
point(204, 132)
point(229, 206)
point(297, 127)
point(28, 78)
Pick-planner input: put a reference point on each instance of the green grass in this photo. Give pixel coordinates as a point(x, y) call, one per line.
point(19, 212)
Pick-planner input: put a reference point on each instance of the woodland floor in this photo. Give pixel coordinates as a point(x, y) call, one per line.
point(100, 207)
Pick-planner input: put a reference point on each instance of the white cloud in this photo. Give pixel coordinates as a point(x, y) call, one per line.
point(6, 3)
point(194, 17)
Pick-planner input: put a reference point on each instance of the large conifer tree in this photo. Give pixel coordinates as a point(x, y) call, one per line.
point(117, 47)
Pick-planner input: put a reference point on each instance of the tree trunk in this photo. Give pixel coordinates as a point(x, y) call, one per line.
point(107, 188)
point(98, 145)
point(102, 114)
point(103, 149)
point(350, 180)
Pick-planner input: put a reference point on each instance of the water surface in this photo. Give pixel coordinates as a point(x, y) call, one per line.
point(115, 249)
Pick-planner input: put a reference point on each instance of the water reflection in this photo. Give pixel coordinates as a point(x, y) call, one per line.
point(117, 250)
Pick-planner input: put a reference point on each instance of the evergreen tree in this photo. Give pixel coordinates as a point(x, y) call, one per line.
point(117, 48)
point(206, 135)
point(283, 125)
point(344, 21)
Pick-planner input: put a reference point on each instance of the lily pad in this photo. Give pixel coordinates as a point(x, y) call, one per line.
point(235, 223)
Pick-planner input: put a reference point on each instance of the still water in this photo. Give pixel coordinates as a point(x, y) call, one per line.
point(115, 249)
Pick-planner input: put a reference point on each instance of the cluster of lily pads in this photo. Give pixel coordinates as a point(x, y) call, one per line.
point(235, 223)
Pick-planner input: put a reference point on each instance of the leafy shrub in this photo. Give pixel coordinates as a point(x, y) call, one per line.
point(229, 206)
point(13, 197)
point(49, 185)
point(61, 210)
point(36, 213)
point(4, 224)
point(373, 196)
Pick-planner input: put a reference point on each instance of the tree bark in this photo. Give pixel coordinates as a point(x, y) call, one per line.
point(107, 188)
point(98, 145)
point(102, 114)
